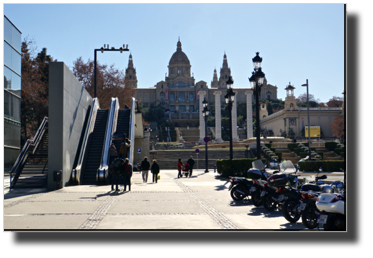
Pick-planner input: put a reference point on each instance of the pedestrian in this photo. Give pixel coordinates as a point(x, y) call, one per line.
point(114, 170)
point(113, 153)
point(155, 170)
point(126, 171)
point(179, 167)
point(121, 150)
point(127, 146)
point(191, 164)
point(145, 165)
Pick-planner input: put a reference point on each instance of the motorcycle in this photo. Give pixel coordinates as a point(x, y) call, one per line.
point(240, 188)
point(259, 177)
point(275, 191)
point(309, 196)
point(332, 207)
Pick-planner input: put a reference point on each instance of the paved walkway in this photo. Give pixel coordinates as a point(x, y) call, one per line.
point(202, 202)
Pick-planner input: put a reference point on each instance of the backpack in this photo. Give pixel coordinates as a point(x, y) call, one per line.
point(115, 165)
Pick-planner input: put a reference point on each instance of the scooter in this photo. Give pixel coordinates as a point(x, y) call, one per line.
point(332, 206)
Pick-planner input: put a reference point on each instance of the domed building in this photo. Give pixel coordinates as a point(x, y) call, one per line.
point(179, 93)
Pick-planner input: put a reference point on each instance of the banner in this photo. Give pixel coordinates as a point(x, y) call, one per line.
point(315, 131)
point(166, 95)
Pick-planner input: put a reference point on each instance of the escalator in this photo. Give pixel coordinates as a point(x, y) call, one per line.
point(94, 148)
point(123, 125)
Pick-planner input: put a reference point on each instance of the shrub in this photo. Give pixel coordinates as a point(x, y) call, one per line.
point(321, 154)
point(338, 150)
point(268, 145)
point(291, 146)
point(298, 151)
point(330, 145)
point(279, 155)
point(235, 167)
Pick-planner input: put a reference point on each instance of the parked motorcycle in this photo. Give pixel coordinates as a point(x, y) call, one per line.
point(332, 207)
point(259, 177)
point(240, 188)
point(274, 193)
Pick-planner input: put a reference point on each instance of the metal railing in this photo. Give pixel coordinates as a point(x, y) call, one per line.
point(111, 125)
point(132, 130)
point(76, 173)
point(23, 155)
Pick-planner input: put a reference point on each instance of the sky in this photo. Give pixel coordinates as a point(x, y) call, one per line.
point(296, 41)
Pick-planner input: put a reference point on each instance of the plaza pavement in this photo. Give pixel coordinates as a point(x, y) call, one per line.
point(202, 202)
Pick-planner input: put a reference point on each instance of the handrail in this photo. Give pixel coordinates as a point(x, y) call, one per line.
point(75, 175)
point(111, 126)
point(23, 155)
point(132, 131)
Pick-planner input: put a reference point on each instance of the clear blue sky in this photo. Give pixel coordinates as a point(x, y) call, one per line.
point(297, 41)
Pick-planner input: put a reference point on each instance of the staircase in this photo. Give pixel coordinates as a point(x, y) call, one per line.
point(35, 170)
point(95, 145)
point(190, 135)
point(287, 155)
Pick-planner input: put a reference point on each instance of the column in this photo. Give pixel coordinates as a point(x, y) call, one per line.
point(217, 116)
point(249, 113)
point(201, 120)
point(234, 118)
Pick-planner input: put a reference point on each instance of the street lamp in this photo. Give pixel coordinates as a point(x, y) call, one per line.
point(256, 81)
point(103, 49)
point(205, 113)
point(229, 99)
point(308, 117)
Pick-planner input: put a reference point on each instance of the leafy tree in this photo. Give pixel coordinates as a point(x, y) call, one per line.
point(303, 98)
point(111, 82)
point(338, 127)
point(335, 102)
point(291, 133)
point(155, 114)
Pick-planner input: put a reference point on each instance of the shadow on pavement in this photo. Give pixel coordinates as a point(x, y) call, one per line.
point(111, 193)
point(257, 211)
point(242, 203)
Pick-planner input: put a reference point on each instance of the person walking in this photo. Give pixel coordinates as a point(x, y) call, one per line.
point(179, 167)
point(126, 171)
point(155, 170)
point(191, 164)
point(145, 165)
point(113, 153)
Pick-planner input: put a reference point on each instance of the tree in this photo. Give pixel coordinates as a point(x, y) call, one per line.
point(111, 82)
point(338, 127)
point(303, 98)
point(34, 93)
point(335, 102)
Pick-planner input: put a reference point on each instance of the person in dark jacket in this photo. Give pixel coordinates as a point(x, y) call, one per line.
point(126, 171)
point(145, 165)
point(113, 153)
point(190, 161)
point(114, 171)
point(155, 170)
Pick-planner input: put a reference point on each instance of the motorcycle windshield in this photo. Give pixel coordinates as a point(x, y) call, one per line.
point(258, 164)
point(287, 167)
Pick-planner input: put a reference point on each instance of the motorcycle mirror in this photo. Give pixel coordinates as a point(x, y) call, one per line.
point(339, 185)
point(323, 177)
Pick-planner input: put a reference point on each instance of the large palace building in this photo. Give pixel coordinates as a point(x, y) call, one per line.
point(179, 91)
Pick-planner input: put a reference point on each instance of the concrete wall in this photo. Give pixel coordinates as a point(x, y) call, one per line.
point(143, 144)
point(68, 106)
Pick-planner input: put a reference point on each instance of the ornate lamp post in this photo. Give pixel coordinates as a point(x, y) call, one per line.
point(229, 99)
point(256, 81)
point(102, 49)
point(205, 113)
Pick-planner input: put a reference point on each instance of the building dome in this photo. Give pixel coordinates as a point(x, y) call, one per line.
point(179, 57)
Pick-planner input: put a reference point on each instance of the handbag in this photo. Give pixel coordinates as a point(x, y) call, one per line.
point(158, 176)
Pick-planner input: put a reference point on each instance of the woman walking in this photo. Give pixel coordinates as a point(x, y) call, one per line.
point(155, 170)
point(179, 167)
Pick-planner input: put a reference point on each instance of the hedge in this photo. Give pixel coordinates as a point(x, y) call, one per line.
point(235, 167)
point(268, 145)
point(330, 145)
point(279, 155)
point(292, 146)
point(326, 165)
point(298, 151)
point(338, 150)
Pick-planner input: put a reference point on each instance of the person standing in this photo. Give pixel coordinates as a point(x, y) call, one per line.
point(179, 167)
point(114, 170)
point(145, 165)
point(155, 170)
point(121, 150)
point(127, 146)
point(113, 153)
point(126, 171)
point(191, 164)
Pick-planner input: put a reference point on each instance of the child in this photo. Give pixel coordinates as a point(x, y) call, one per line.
point(179, 166)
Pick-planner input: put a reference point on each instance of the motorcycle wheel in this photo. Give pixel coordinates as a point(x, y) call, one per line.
point(335, 223)
point(256, 199)
point(268, 203)
point(237, 196)
point(289, 210)
point(309, 216)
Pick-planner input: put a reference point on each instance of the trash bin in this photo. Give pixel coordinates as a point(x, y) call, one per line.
point(57, 177)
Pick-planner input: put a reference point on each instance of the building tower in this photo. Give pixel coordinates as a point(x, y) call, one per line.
point(131, 77)
point(215, 82)
point(290, 101)
point(225, 72)
point(263, 112)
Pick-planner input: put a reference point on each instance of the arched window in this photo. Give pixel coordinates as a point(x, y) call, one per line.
point(172, 96)
point(191, 97)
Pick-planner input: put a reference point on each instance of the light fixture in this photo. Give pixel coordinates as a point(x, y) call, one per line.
point(257, 61)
